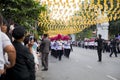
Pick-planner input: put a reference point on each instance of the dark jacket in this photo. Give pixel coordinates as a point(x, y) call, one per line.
point(113, 43)
point(24, 66)
point(100, 43)
point(46, 45)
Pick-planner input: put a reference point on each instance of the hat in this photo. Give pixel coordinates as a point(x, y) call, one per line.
point(18, 32)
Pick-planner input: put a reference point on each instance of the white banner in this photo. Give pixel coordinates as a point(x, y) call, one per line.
point(103, 30)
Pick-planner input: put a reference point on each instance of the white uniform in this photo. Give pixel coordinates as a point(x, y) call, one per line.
point(53, 45)
point(67, 48)
point(67, 45)
point(59, 45)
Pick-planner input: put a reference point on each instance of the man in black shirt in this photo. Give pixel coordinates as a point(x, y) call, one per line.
point(24, 68)
point(99, 41)
point(113, 47)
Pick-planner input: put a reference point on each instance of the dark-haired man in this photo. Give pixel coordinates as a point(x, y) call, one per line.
point(45, 51)
point(24, 68)
point(99, 41)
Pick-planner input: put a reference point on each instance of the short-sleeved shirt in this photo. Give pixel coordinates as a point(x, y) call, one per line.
point(67, 44)
point(59, 45)
point(4, 41)
point(1, 53)
point(53, 45)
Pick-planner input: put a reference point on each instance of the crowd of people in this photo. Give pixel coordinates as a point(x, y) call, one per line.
point(18, 61)
point(20, 51)
point(57, 46)
point(107, 44)
point(61, 45)
point(6, 48)
point(111, 46)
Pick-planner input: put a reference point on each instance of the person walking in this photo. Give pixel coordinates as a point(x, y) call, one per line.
point(99, 41)
point(53, 49)
point(45, 51)
point(60, 49)
point(113, 45)
point(67, 48)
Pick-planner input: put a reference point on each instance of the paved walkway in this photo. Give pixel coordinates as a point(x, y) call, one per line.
point(82, 65)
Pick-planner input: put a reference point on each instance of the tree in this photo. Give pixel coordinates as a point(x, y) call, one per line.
point(111, 9)
point(23, 12)
point(86, 33)
point(114, 28)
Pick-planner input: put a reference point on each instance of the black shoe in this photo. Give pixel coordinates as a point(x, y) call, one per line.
point(99, 60)
point(44, 69)
point(59, 59)
point(110, 56)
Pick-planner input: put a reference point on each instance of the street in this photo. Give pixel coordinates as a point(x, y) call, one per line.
point(82, 65)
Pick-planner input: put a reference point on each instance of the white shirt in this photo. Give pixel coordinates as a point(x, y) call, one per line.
point(1, 53)
point(53, 45)
point(4, 41)
point(67, 44)
point(59, 45)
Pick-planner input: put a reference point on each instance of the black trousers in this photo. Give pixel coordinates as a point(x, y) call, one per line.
point(60, 53)
point(54, 53)
point(99, 51)
point(32, 75)
point(67, 53)
point(2, 77)
point(113, 50)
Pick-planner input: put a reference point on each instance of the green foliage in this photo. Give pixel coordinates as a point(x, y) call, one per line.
point(23, 12)
point(41, 29)
point(114, 28)
point(86, 33)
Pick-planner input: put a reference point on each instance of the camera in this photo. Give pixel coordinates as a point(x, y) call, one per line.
point(31, 38)
point(28, 39)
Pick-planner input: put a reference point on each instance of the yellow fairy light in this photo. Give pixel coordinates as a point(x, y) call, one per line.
point(92, 1)
point(98, 2)
point(111, 4)
point(65, 9)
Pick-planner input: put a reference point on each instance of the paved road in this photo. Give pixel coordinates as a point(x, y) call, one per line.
point(82, 65)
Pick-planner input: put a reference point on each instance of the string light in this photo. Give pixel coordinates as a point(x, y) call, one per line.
point(72, 16)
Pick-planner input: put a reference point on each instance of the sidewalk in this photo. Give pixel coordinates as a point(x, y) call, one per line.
point(39, 75)
point(39, 72)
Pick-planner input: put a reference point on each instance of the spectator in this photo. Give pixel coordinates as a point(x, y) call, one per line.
point(1, 50)
point(6, 46)
point(24, 68)
point(31, 39)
